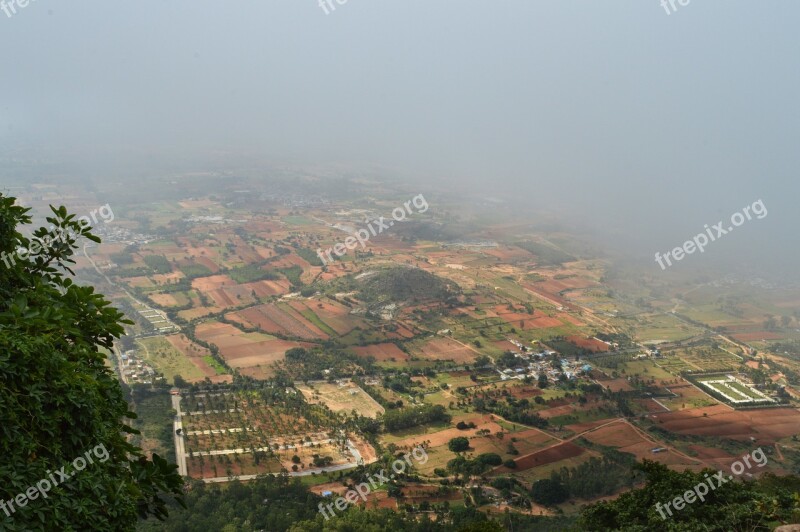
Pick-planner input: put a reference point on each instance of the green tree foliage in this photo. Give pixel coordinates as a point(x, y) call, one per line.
point(411, 417)
point(476, 466)
point(328, 361)
point(597, 476)
point(278, 504)
point(158, 263)
point(509, 360)
point(458, 445)
point(735, 505)
point(518, 411)
point(58, 399)
point(398, 284)
point(541, 382)
point(548, 492)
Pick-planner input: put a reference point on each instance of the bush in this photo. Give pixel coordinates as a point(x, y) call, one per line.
point(491, 459)
point(458, 445)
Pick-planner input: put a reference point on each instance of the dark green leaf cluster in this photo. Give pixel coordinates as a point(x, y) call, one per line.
point(58, 400)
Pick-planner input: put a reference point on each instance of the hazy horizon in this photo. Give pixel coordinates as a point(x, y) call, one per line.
point(639, 125)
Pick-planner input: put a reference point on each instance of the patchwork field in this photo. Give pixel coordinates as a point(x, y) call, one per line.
point(245, 350)
point(169, 361)
point(381, 352)
point(547, 456)
point(766, 425)
point(199, 356)
point(280, 318)
point(444, 349)
point(344, 397)
point(625, 438)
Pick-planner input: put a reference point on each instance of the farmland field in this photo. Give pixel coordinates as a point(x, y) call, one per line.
point(168, 360)
point(341, 398)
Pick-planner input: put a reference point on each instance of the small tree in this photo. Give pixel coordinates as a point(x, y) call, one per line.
point(458, 444)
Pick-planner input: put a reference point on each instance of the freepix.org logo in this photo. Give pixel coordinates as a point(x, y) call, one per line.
point(374, 481)
point(701, 240)
point(362, 236)
point(38, 246)
point(42, 487)
point(711, 483)
point(9, 7)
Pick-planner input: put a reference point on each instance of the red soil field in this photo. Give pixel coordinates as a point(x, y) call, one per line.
point(291, 260)
point(524, 392)
point(200, 251)
point(556, 286)
point(401, 333)
point(381, 352)
point(577, 428)
point(650, 406)
point(445, 349)
point(241, 350)
point(212, 282)
point(571, 319)
point(274, 319)
point(208, 263)
point(543, 322)
point(507, 255)
point(334, 315)
point(755, 336)
point(617, 385)
point(766, 425)
point(237, 295)
point(557, 411)
point(547, 456)
point(530, 321)
point(625, 438)
point(164, 300)
point(553, 299)
point(245, 251)
point(596, 346)
point(505, 345)
point(260, 353)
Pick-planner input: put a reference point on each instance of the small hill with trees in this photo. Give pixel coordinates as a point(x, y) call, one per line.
point(398, 285)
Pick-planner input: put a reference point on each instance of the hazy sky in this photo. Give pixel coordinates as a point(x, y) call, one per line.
point(648, 123)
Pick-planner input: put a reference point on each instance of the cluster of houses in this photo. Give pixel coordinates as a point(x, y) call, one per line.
point(111, 233)
point(539, 363)
point(136, 370)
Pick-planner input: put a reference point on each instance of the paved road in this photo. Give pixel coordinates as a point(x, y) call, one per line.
point(180, 450)
point(245, 451)
point(307, 472)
